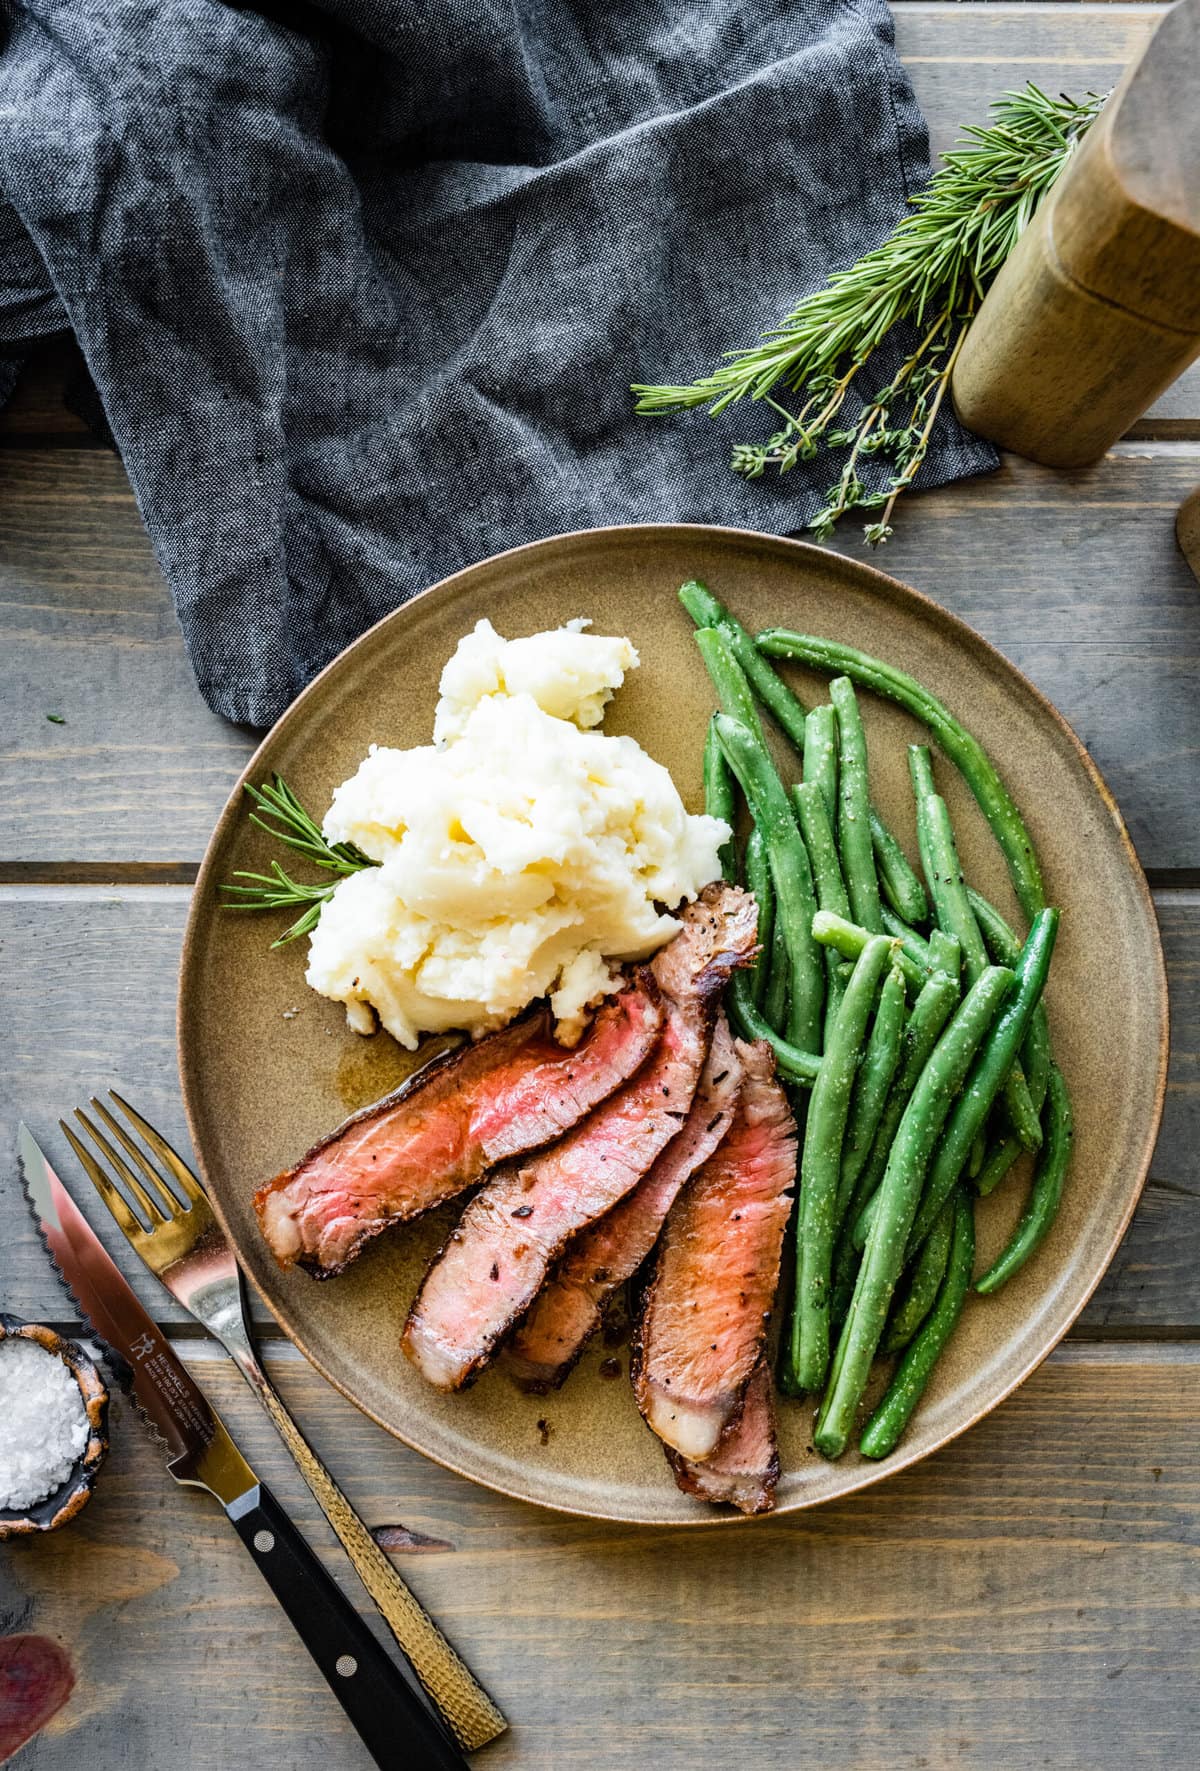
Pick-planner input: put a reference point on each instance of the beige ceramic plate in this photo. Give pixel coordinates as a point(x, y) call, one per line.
point(268, 1066)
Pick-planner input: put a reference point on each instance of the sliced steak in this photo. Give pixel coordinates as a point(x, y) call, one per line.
point(706, 1309)
point(481, 1104)
point(743, 1470)
point(566, 1312)
point(515, 1228)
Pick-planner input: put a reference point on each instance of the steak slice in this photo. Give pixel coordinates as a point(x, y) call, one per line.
point(514, 1229)
point(478, 1105)
point(705, 1315)
point(566, 1312)
point(743, 1470)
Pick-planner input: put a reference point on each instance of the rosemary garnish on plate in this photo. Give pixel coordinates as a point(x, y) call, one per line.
point(933, 272)
point(282, 816)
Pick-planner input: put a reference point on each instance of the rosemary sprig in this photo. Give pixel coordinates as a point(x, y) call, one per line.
point(931, 272)
point(282, 816)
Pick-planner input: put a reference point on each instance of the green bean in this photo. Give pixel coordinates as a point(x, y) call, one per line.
point(846, 1262)
point(794, 1065)
point(838, 977)
point(817, 832)
point(821, 755)
point(915, 945)
point(897, 879)
point(1018, 1105)
point(880, 1060)
point(795, 900)
point(848, 939)
point(808, 1346)
point(1000, 1158)
point(920, 768)
point(779, 701)
point(720, 800)
point(1036, 1050)
point(943, 870)
point(728, 679)
point(1004, 945)
point(954, 914)
point(964, 751)
point(930, 1012)
point(1042, 1205)
point(758, 881)
point(921, 1292)
point(775, 1002)
point(854, 809)
point(978, 1154)
point(996, 930)
point(945, 954)
point(987, 1073)
point(899, 1192)
point(883, 1431)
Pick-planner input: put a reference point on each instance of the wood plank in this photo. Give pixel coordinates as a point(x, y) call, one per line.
point(1077, 577)
point(90, 1005)
point(140, 767)
point(1029, 1597)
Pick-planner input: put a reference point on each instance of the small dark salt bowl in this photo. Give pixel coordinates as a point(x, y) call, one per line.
point(70, 1498)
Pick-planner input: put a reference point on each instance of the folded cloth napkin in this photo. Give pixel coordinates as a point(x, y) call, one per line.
point(363, 285)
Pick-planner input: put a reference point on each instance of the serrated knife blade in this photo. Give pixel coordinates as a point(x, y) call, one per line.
point(199, 1448)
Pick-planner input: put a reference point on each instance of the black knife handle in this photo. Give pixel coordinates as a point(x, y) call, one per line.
point(391, 1720)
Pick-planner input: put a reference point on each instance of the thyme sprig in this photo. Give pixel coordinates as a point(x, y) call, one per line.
point(283, 817)
point(931, 272)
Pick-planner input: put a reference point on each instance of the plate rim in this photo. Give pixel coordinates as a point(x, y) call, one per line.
point(869, 1474)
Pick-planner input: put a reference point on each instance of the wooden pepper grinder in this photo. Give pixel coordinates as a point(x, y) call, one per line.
point(1097, 310)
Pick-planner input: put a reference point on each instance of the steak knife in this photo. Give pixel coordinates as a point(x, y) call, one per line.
point(393, 1723)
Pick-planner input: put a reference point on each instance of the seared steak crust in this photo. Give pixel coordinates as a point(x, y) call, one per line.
point(481, 1104)
point(744, 1469)
point(705, 1315)
point(566, 1312)
point(516, 1227)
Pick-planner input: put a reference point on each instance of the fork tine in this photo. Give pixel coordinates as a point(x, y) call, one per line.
point(165, 1153)
point(159, 1186)
point(110, 1194)
point(119, 1166)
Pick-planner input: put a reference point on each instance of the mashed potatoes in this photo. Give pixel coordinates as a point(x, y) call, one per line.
point(519, 855)
point(569, 672)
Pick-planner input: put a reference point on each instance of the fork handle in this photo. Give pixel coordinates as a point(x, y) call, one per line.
point(390, 1719)
point(464, 1704)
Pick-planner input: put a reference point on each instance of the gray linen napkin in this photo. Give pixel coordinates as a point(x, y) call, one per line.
point(362, 286)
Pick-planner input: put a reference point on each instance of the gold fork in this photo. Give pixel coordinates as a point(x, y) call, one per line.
point(186, 1248)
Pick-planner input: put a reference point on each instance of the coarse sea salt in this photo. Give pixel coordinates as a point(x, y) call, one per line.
point(43, 1422)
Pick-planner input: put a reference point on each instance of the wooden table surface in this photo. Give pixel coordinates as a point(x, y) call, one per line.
point(1029, 1597)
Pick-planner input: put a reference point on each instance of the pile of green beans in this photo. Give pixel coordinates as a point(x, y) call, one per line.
point(901, 1001)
